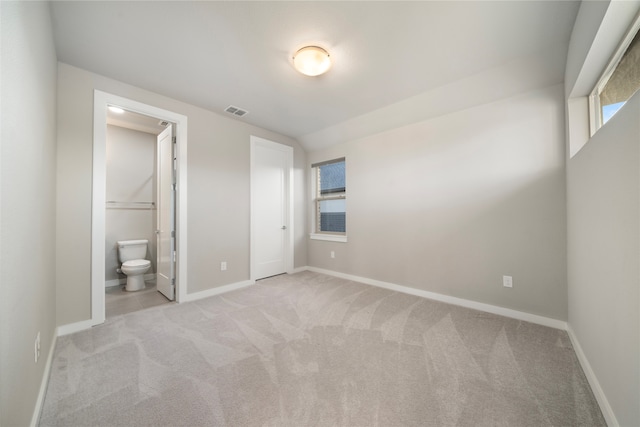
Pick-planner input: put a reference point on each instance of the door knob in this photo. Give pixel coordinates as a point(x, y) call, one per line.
point(284, 227)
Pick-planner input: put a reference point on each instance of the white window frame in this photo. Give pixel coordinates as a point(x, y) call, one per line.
point(595, 109)
point(315, 233)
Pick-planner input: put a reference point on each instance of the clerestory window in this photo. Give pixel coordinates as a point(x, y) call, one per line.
point(619, 82)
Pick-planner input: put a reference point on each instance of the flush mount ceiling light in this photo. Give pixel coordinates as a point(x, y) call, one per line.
point(116, 110)
point(312, 60)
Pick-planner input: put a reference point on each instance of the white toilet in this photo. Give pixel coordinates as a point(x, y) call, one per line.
point(132, 254)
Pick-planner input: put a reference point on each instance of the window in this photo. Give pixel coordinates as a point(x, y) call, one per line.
point(619, 82)
point(330, 200)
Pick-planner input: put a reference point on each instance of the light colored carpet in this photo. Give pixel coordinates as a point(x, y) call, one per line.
point(312, 350)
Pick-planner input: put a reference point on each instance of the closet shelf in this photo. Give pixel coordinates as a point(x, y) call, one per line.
point(112, 204)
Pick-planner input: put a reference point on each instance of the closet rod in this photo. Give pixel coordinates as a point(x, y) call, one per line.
point(130, 205)
point(133, 203)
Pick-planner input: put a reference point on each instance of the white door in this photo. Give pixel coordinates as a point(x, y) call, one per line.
point(271, 238)
point(165, 261)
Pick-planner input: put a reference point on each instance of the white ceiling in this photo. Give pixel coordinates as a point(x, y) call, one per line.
point(135, 121)
point(216, 54)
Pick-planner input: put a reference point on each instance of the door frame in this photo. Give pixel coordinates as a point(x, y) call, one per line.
point(101, 100)
point(288, 187)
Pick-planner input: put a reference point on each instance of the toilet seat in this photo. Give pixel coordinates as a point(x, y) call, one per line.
point(135, 269)
point(137, 263)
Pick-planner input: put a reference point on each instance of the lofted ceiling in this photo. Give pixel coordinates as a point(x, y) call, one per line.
point(219, 53)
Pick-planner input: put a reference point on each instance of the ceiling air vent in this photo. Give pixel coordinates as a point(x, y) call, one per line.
point(236, 111)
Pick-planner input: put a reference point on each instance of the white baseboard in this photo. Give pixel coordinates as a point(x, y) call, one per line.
point(118, 282)
point(217, 291)
point(298, 270)
point(114, 282)
point(87, 324)
point(605, 407)
point(494, 309)
point(74, 327)
point(35, 418)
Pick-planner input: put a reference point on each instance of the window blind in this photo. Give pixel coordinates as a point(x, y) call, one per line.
point(327, 162)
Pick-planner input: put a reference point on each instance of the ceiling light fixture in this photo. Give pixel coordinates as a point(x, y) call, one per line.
point(312, 61)
point(116, 110)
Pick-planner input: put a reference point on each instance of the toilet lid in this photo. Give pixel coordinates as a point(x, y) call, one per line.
point(137, 263)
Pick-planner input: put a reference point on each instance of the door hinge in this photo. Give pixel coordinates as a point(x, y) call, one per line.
point(173, 234)
point(174, 258)
point(173, 281)
point(173, 139)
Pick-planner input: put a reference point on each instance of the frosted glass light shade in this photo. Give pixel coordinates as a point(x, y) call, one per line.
point(312, 61)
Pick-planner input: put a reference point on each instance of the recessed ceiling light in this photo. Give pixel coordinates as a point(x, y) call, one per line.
point(312, 61)
point(116, 110)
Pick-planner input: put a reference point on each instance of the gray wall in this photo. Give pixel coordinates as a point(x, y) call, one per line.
point(451, 204)
point(218, 190)
point(131, 177)
point(603, 186)
point(28, 205)
point(603, 214)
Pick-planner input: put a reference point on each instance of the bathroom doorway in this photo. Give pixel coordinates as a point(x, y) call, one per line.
point(138, 203)
point(140, 207)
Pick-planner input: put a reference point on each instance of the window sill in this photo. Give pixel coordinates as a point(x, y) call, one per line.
point(328, 237)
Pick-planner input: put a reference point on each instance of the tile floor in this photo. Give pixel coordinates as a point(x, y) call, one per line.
point(118, 301)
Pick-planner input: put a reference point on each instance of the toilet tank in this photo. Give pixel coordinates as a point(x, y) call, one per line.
point(132, 249)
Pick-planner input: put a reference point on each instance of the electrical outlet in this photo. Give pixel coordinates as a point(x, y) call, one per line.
point(507, 281)
point(36, 348)
point(333, 254)
point(223, 265)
